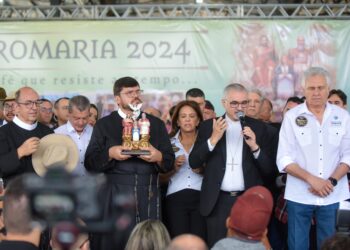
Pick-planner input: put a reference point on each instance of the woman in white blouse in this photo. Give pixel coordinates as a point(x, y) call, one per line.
point(182, 198)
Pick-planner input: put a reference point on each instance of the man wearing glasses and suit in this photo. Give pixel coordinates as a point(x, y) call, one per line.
point(19, 139)
point(233, 159)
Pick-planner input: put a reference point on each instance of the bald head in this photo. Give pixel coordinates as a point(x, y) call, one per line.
point(24, 91)
point(187, 242)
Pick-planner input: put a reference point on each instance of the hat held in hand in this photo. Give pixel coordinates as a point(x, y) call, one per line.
point(55, 150)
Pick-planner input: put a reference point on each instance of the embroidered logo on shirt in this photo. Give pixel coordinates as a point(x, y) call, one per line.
point(335, 121)
point(301, 121)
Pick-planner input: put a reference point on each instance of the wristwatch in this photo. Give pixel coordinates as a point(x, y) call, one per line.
point(333, 181)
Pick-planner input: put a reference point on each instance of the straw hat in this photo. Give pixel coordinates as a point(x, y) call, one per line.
point(9, 97)
point(2, 93)
point(55, 150)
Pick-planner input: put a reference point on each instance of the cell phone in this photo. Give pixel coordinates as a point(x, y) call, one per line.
point(343, 221)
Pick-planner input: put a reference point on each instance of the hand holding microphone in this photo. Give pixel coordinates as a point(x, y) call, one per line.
point(241, 117)
point(248, 133)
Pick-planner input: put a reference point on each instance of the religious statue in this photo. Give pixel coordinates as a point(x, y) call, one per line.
point(144, 125)
point(127, 131)
point(136, 134)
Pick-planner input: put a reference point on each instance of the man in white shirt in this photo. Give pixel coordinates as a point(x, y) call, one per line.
point(314, 151)
point(78, 128)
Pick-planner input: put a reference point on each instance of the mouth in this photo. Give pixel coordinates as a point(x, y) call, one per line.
point(135, 105)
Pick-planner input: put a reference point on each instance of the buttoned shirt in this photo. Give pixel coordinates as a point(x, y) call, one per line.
point(317, 148)
point(81, 140)
point(184, 178)
point(233, 179)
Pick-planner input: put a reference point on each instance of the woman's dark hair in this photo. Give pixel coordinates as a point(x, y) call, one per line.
point(175, 116)
point(95, 108)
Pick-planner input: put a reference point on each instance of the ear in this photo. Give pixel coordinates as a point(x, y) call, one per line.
point(228, 220)
point(223, 101)
point(54, 111)
point(16, 108)
point(117, 99)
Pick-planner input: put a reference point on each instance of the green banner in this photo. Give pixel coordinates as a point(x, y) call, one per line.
point(169, 57)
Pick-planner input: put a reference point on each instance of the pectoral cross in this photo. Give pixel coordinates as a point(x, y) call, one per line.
point(232, 164)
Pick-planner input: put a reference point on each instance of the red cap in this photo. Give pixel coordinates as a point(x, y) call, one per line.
point(251, 213)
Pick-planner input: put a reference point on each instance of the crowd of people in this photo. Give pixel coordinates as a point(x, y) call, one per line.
point(235, 181)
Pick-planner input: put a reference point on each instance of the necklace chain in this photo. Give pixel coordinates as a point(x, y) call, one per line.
point(235, 152)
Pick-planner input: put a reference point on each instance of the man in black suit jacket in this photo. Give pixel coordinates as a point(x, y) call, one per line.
point(231, 164)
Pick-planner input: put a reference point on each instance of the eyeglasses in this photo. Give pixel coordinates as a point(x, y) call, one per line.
point(46, 110)
point(9, 106)
point(64, 107)
point(133, 93)
point(30, 104)
point(235, 104)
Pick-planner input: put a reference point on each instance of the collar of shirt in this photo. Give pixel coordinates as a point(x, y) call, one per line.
point(176, 138)
point(304, 110)
point(123, 115)
point(24, 125)
point(71, 129)
point(232, 125)
point(176, 141)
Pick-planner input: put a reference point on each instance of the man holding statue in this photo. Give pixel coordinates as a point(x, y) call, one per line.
point(131, 168)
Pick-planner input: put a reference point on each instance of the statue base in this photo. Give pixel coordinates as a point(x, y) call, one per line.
point(136, 152)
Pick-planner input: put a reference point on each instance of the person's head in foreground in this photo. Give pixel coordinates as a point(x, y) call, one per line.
point(148, 235)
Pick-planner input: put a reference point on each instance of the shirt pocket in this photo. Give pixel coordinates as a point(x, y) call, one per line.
point(335, 135)
point(303, 136)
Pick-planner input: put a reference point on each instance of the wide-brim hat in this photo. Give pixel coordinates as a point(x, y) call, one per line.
point(2, 93)
point(9, 97)
point(55, 150)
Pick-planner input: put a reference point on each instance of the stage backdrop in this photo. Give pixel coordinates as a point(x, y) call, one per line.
point(169, 57)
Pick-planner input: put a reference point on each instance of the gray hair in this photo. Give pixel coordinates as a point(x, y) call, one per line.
point(80, 102)
point(258, 92)
point(234, 87)
point(316, 71)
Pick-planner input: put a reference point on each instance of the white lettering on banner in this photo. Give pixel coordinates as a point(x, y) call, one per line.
point(163, 49)
point(63, 49)
point(90, 49)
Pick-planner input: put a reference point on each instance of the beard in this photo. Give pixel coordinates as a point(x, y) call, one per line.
point(126, 106)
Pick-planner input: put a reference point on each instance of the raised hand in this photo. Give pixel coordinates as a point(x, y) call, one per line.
point(219, 128)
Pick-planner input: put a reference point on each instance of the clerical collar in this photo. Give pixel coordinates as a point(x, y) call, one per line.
point(123, 115)
point(24, 125)
point(229, 120)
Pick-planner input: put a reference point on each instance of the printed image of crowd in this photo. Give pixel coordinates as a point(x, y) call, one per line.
point(275, 63)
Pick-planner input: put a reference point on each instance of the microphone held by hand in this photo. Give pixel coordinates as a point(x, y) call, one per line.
point(241, 117)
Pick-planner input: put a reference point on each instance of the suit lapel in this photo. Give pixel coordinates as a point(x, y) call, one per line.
point(245, 155)
point(223, 145)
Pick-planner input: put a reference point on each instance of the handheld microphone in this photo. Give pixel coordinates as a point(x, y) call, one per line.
point(241, 118)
